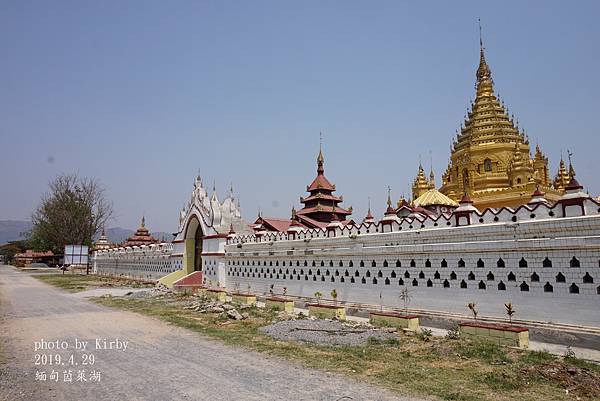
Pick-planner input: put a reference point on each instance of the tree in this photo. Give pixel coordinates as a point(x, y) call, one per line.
point(473, 307)
point(510, 311)
point(405, 297)
point(334, 295)
point(72, 212)
point(318, 295)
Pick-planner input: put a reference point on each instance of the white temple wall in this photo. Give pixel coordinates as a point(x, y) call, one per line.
point(471, 256)
point(145, 262)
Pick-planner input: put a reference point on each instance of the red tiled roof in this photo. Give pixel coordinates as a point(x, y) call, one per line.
point(273, 224)
point(312, 223)
point(574, 184)
point(326, 209)
point(141, 237)
point(321, 196)
point(320, 182)
point(31, 254)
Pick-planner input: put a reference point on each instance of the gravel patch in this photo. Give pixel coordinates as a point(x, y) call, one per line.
point(325, 332)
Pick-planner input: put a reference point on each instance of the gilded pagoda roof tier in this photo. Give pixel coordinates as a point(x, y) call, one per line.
point(434, 197)
point(491, 156)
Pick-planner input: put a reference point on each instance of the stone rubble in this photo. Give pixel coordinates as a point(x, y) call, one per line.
point(202, 305)
point(326, 332)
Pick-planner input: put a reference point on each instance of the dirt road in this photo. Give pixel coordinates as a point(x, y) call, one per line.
point(160, 362)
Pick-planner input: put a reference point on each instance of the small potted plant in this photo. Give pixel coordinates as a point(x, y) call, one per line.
point(503, 334)
point(334, 295)
point(218, 293)
point(327, 311)
point(318, 295)
point(243, 298)
point(279, 303)
point(473, 308)
point(510, 311)
point(396, 319)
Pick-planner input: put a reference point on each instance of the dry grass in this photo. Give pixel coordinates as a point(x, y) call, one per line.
point(81, 282)
point(440, 368)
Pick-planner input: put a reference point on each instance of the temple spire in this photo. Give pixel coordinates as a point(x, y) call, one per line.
point(483, 72)
point(390, 210)
point(320, 158)
point(143, 221)
point(571, 169)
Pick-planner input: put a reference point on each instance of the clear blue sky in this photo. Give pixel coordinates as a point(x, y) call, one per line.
point(142, 94)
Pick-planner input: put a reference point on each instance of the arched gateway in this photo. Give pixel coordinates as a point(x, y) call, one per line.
point(193, 245)
point(204, 223)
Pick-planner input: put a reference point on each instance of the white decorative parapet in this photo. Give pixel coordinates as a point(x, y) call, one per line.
point(144, 262)
point(524, 213)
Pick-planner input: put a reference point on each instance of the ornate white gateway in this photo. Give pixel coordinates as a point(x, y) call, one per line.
point(204, 225)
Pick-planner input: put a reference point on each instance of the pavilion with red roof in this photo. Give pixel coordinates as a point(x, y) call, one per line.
point(321, 206)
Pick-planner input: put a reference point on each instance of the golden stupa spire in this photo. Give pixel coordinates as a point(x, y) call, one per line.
point(562, 178)
point(490, 157)
point(431, 175)
point(420, 183)
point(488, 118)
point(483, 72)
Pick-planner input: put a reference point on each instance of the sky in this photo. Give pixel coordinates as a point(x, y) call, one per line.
point(143, 95)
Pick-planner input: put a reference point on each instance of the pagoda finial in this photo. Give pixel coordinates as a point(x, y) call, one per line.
point(389, 198)
point(480, 35)
point(483, 72)
point(320, 158)
point(571, 169)
point(431, 175)
point(293, 213)
point(143, 221)
point(369, 217)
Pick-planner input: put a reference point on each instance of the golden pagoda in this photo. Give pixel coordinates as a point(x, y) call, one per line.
point(490, 158)
point(563, 177)
point(421, 184)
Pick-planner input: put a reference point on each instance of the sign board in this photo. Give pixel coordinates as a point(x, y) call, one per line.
point(76, 254)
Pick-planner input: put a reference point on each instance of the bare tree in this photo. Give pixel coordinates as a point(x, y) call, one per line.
point(73, 211)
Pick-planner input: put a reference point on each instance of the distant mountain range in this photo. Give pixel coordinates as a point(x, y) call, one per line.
point(12, 230)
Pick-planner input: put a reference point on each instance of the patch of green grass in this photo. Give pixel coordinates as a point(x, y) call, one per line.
point(581, 363)
point(81, 282)
point(444, 369)
point(506, 380)
point(536, 357)
point(486, 351)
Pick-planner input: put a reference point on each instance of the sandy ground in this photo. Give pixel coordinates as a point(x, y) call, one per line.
point(161, 362)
